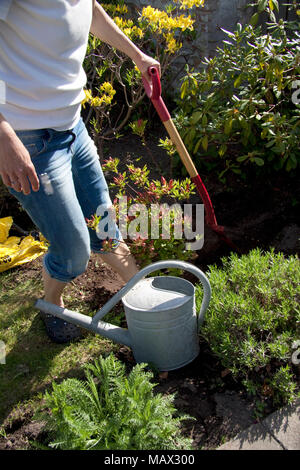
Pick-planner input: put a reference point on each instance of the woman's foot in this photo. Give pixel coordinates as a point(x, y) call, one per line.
point(60, 331)
point(57, 329)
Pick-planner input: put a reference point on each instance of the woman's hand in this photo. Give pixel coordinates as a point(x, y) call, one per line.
point(16, 168)
point(143, 62)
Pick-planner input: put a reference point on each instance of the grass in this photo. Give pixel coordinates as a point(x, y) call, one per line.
point(32, 360)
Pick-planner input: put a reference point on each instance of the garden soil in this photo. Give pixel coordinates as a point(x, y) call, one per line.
point(257, 213)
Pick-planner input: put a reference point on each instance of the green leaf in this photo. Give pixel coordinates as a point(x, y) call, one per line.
point(259, 161)
point(196, 117)
point(238, 81)
point(254, 20)
point(291, 165)
point(273, 4)
point(243, 158)
point(228, 126)
point(222, 150)
point(197, 146)
point(205, 143)
point(190, 136)
point(262, 5)
point(273, 17)
point(184, 89)
point(231, 35)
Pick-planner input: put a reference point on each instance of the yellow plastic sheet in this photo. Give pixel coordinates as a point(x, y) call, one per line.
point(18, 250)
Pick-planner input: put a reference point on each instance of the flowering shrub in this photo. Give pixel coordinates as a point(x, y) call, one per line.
point(138, 128)
point(159, 33)
point(107, 95)
point(135, 189)
point(93, 221)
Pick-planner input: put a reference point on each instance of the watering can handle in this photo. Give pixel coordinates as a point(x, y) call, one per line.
point(155, 267)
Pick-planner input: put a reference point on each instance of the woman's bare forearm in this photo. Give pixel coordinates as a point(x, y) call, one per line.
point(16, 168)
point(104, 28)
point(5, 127)
point(107, 31)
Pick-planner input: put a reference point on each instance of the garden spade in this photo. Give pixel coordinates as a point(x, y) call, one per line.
point(154, 91)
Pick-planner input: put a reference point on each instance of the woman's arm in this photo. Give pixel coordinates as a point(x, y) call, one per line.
point(107, 31)
point(16, 168)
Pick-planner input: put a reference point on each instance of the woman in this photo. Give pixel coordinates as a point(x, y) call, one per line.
point(47, 160)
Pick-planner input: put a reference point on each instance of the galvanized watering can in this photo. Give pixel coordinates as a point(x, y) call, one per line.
point(161, 316)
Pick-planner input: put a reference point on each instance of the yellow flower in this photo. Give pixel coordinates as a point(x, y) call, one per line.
point(97, 101)
point(108, 89)
point(128, 28)
point(172, 44)
point(115, 8)
point(187, 4)
point(87, 98)
point(161, 21)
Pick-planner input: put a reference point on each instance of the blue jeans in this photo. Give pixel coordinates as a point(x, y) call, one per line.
point(72, 187)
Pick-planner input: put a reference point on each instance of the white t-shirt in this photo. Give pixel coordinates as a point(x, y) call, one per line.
point(42, 47)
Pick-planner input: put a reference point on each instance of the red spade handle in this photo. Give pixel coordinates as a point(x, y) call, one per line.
point(153, 91)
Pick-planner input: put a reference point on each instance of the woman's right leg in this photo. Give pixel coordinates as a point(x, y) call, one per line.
point(53, 289)
point(55, 210)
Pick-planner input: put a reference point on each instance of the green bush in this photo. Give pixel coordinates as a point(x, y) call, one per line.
point(139, 189)
point(243, 109)
point(254, 319)
point(111, 411)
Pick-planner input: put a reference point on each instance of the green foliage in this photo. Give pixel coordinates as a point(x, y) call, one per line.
point(146, 203)
point(253, 320)
point(243, 110)
point(271, 8)
point(112, 411)
point(283, 385)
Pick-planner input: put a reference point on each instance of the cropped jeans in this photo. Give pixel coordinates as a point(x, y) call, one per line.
point(72, 188)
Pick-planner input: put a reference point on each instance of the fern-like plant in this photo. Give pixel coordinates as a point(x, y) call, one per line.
point(111, 411)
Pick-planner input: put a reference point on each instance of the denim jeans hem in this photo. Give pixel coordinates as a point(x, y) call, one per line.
point(50, 275)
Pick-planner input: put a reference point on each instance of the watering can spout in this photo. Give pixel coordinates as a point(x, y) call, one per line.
point(115, 333)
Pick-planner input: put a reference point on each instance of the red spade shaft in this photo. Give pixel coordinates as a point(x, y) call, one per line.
point(154, 93)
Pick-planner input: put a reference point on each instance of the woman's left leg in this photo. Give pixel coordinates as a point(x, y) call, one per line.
point(93, 195)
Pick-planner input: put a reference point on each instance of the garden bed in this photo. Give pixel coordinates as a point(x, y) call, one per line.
point(259, 213)
point(203, 388)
